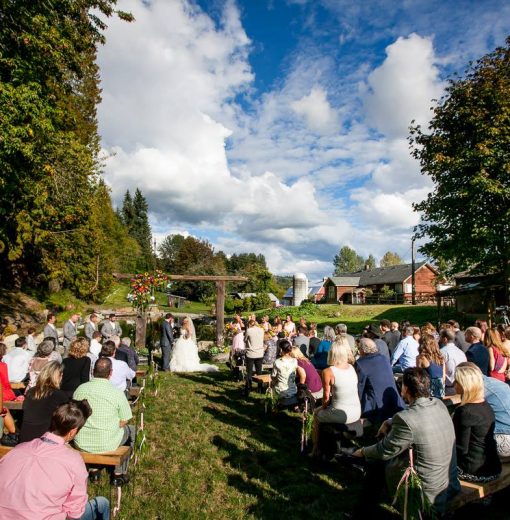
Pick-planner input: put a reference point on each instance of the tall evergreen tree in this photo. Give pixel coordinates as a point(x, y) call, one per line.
point(128, 212)
point(141, 230)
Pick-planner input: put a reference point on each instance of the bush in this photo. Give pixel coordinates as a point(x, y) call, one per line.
point(261, 301)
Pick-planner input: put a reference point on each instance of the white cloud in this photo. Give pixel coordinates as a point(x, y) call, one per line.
point(403, 87)
point(316, 110)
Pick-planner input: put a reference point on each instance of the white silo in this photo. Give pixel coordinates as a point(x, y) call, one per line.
point(300, 287)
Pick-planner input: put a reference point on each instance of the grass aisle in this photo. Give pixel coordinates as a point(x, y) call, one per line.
point(213, 454)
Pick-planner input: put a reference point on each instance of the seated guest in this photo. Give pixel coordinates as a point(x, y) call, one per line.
point(341, 330)
point(306, 373)
point(270, 348)
point(121, 373)
point(45, 479)
point(314, 341)
point(8, 394)
point(41, 401)
point(17, 361)
point(377, 390)
point(373, 333)
point(504, 334)
point(453, 356)
point(125, 346)
point(95, 344)
point(498, 360)
point(31, 345)
point(497, 394)
point(55, 355)
point(428, 328)
point(41, 358)
point(302, 341)
point(430, 358)
point(320, 357)
point(76, 366)
point(483, 326)
point(427, 428)
point(11, 439)
point(477, 353)
point(107, 428)
point(389, 336)
point(474, 422)
point(283, 375)
point(405, 354)
point(119, 354)
point(460, 339)
point(340, 402)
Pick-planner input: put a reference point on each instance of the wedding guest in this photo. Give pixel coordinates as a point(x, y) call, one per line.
point(406, 352)
point(121, 373)
point(31, 345)
point(377, 391)
point(283, 375)
point(289, 326)
point(341, 331)
point(474, 422)
point(50, 330)
point(314, 341)
point(302, 340)
point(132, 355)
point(41, 401)
point(238, 339)
point(483, 326)
point(303, 324)
point(306, 373)
point(460, 339)
point(374, 333)
point(41, 358)
point(477, 353)
point(453, 356)
point(504, 334)
point(45, 479)
point(428, 328)
point(390, 336)
point(498, 355)
point(55, 355)
point(430, 358)
point(320, 358)
point(340, 403)
point(17, 360)
point(270, 348)
point(76, 366)
point(95, 344)
point(8, 393)
point(254, 352)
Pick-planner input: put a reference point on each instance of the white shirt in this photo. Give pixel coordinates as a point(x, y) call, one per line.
point(95, 347)
point(17, 361)
point(453, 355)
point(120, 372)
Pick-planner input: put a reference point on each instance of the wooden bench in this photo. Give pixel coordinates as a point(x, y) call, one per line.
point(471, 491)
point(141, 372)
point(18, 386)
point(13, 405)
point(109, 458)
point(262, 381)
point(134, 392)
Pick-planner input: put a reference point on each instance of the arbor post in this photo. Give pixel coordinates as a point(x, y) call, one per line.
point(141, 330)
point(220, 312)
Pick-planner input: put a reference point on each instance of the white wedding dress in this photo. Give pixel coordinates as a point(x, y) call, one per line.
point(185, 356)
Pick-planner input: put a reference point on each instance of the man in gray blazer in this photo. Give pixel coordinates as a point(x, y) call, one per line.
point(91, 326)
point(50, 331)
point(166, 340)
point(427, 428)
point(111, 328)
point(70, 331)
point(254, 351)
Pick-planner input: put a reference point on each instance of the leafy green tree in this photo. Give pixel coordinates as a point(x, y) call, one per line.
point(168, 251)
point(347, 261)
point(466, 153)
point(390, 258)
point(370, 262)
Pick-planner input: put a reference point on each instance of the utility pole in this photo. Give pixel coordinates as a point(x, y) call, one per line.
point(413, 276)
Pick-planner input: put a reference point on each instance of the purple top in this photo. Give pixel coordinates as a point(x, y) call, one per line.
point(313, 380)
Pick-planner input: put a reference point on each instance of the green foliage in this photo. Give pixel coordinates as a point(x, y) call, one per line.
point(168, 250)
point(347, 261)
point(390, 258)
point(370, 262)
point(386, 292)
point(466, 153)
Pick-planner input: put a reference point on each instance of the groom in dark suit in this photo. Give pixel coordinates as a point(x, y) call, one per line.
point(166, 341)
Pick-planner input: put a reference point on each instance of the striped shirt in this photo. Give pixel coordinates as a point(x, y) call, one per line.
point(102, 431)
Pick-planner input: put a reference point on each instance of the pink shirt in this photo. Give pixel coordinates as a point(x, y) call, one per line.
point(43, 480)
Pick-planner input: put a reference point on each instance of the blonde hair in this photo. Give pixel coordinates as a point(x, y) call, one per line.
point(340, 352)
point(493, 339)
point(79, 348)
point(49, 380)
point(470, 379)
point(297, 354)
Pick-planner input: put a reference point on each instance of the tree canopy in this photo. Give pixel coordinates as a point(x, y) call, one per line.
point(347, 261)
point(466, 153)
point(390, 258)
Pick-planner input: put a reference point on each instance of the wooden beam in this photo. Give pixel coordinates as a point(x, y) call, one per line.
point(192, 277)
point(220, 311)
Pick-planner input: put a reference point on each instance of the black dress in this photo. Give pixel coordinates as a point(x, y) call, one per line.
point(76, 372)
point(477, 452)
point(37, 413)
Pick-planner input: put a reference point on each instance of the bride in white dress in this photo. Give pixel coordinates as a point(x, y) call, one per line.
point(185, 352)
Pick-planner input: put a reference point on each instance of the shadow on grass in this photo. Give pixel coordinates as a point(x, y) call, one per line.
point(266, 462)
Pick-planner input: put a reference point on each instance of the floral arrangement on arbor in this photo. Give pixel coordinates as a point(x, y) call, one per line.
point(143, 286)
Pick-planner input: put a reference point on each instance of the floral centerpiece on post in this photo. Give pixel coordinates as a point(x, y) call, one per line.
point(143, 286)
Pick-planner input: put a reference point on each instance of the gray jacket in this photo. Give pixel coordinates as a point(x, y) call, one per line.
point(70, 333)
point(255, 342)
point(110, 329)
point(51, 332)
point(89, 329)
point(425, 426)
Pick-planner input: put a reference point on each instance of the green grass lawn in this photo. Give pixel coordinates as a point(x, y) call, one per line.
point(212, 454)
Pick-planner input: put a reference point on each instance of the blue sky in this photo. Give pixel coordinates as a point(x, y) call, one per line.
point(280, 127)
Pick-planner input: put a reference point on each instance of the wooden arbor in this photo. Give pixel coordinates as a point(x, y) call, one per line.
point(220, 293)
